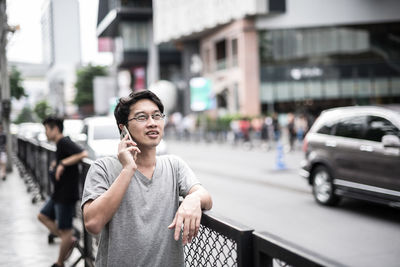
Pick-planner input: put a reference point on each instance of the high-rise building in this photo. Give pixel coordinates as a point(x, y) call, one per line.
point(61, 52)
point(138, 61)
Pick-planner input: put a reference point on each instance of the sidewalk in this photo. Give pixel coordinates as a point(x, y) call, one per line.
point(23, 240)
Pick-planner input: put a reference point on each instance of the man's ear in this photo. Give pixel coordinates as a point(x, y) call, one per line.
point(120, 126)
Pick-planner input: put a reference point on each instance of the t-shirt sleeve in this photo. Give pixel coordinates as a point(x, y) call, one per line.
point(186, 177)
point(96, 182)
point(73, 148)
point(68, 148)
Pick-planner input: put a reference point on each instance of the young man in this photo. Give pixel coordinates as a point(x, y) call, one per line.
point(58, 212)
point(133, 199)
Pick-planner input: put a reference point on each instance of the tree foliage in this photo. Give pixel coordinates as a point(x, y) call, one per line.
point(17, 91)
point(26, 115)
point(42, 109)
point(84, 83)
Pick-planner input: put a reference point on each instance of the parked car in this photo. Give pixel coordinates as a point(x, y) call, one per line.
point(100, 137)
point(354, 152)
point(32, 130)
point(73, 128)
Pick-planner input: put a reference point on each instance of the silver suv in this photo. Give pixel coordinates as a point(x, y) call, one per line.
point(354, 152)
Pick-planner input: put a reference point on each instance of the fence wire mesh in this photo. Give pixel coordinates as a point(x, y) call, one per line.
point(210, 248)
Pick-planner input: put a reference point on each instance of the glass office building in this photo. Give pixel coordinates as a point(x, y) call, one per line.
point(311, 69)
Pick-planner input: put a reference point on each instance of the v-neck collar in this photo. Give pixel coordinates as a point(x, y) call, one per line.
point(144, 178)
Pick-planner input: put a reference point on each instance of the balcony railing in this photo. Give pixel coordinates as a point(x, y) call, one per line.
point(220, 242)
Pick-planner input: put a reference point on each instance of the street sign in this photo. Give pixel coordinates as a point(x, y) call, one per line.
point(200, 94)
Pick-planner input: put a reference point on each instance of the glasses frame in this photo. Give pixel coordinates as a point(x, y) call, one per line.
point(147, 117)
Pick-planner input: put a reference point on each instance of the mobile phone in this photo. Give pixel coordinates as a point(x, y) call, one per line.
point(124, 132)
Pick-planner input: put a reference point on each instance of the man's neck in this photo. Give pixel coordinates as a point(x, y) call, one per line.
point(58, 137)
point(146, 159)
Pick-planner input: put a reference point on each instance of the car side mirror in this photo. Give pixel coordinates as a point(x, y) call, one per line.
point(391, 141)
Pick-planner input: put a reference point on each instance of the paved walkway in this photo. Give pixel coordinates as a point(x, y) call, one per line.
point(23, 240)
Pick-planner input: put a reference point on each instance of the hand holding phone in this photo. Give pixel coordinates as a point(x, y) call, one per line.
point(124, 132)
point(132, 149)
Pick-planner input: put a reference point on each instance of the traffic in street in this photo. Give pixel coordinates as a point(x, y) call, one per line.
point(247, 187)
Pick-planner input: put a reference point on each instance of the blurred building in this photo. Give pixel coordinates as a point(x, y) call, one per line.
point(321, 54)
point(287, 55)
point(61, 52)
point(138, 61)
point(34, 83)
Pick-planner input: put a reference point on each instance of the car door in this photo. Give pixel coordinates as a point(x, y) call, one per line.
point(348, 133)
point(381, 164)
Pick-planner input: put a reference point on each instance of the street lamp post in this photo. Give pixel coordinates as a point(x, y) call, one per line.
point(4, 79)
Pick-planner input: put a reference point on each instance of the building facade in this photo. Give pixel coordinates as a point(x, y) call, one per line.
point(289, 56)
point(322, 54)
point(138, 61)
point(61, 52)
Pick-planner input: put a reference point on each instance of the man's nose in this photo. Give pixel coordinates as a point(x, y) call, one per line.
point(151, 121)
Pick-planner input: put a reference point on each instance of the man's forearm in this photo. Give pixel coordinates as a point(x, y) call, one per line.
point(204, 196)
point(73, 159)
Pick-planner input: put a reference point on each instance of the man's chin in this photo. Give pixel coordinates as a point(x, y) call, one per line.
point(151, 143)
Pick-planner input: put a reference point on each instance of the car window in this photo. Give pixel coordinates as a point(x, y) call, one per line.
point(105, 132)
point(352, 127)
point(326, 128)
point(377, 127)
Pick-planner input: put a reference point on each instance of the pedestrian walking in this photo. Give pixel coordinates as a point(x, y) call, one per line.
point(292, 130)
point(132, 199)
point(57, 214)
point(3, 153)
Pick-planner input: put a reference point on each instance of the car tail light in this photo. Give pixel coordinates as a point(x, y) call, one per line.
point(305, 144)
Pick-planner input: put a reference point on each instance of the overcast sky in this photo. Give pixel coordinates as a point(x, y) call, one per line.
point(26, 44)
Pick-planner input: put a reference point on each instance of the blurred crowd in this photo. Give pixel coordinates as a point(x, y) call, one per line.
point(265, 132)
point(262, 131)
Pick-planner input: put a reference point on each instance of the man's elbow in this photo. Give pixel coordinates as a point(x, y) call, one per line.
point(92, 226)
point(84, 154)
point(92, 223)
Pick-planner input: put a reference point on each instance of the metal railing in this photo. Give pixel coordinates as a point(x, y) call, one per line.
point(220, 242)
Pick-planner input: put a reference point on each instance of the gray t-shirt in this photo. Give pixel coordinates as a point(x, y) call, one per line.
point(138, 233)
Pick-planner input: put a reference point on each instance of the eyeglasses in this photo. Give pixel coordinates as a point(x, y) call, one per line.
point(144, 117)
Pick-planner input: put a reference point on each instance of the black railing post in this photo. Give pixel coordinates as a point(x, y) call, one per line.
point(244, 249)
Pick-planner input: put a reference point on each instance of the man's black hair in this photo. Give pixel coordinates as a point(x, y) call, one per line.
point(122, 109)
point(54, 121)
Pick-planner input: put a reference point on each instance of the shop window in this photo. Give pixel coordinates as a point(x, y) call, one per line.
point(314, 89)
point(282, 90)
point(395, 86)
point(348, 88)
point(364, 88)
point(382, 87)
point(299, 91)
point(332, 89)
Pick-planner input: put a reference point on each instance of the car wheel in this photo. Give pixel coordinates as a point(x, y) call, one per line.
point(323, 189)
